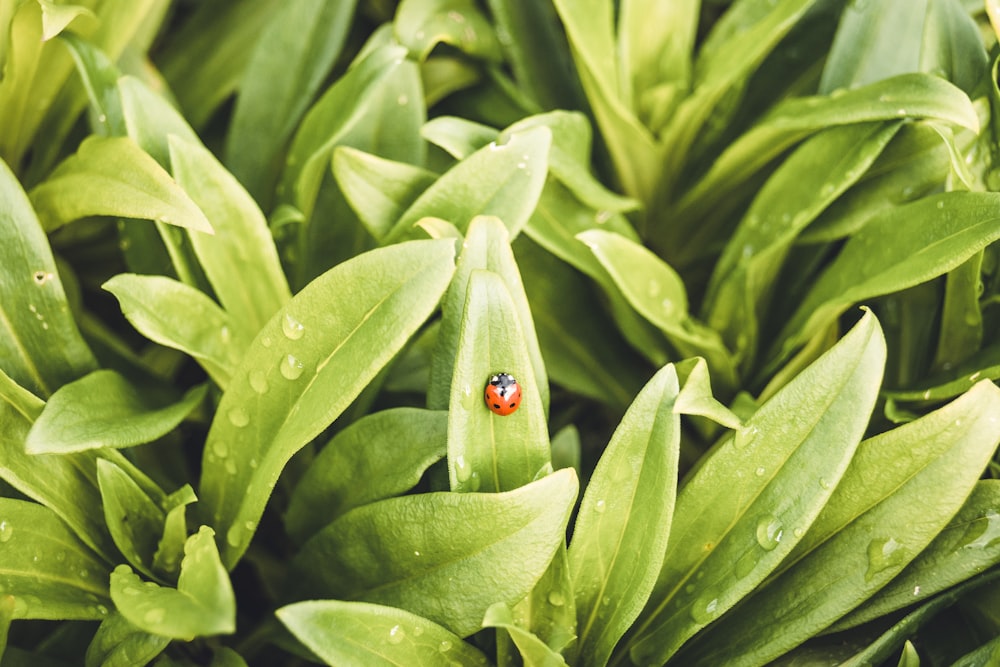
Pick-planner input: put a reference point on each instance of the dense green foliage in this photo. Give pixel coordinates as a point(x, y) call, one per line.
point(258, 260)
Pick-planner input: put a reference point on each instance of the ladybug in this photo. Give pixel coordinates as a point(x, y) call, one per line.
point(503, 394)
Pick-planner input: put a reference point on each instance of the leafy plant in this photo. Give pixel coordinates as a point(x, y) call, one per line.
point(259, 260)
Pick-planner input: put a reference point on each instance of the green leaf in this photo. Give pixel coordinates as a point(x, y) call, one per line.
point(381, 455)
point(970, 544)
point(40, 344)
point(656, 42)
point(118, 643)
point(657, 293)
point(181, 317)
point(113, 176)
point(487, 247)
point(103, 409)
point(378, 190)
point(99, 77)
point(65, 483)
point(831, 579)
point(305, 367)
point(438, 554)
point(135, 521)
point(287, 65)
point(202, 604)
point(905, 96)
point(50, 573)
point(358, 633)
point(626, 510)
point(502, 180)
point(751, 500)
point(242, 238)
point(534, 652)
point(487, 451)
point(170, 548)
point(420, 25)
point(984, 656)
point(941, 232)
point(22, 400)
point(812, 177)
point(695, 397)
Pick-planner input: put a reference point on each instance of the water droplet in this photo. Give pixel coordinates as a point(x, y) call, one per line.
point(746, 564)
point(6, 531)
point(291, 368)
point(982, 533)
point(824, 483)
point(975, 376)
point(220, 449)
point(234, 536)
point(769, 532)
point(417, 554)
point(916, 590)
point(653, 289)
point(258, 381)
point(249, 526)
point(225, 335)
point(798, 532)
point(466, 400)
point(474, 481)
point(444, 646)
point(884, 554)
point(599, 507)
point(940, 204)
point(266, 341)
point(744, 437)
point(402, 100)
point(927, 394)
point(827, 189)
point(760, 471)
point(154, 615)
point(238, 416)
point(704, 608)
point(602, 217)
point(253, 464)
point(418, 630)
point(556, 599)
point(230, 466)
point(900, 112)
point(60, 556)
point(101, 610)
point(396, 634)
point(292, 328)
point(462, 469)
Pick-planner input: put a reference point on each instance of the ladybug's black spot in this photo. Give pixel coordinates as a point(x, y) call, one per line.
point(496, 406)
point(513, 405)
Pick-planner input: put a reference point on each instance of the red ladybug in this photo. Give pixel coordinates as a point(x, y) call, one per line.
point(503, 394)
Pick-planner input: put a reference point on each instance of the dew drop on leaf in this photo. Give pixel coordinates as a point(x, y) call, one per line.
point(154, 615)
point(599, 507)
point(556, 599)
point(474, 481)
point(744, 437)
point(291, 368)
point(769, 532)
point(982, 533)
point(704, 608)
point(238, 416)
point(258, 381)
point(444, 646)
point(884, 554)
point(266, 341)
point(746, 564)
point(233, 536)
point(462, 469)
point(220, 449)
point(292, 328)
point(6, 531)
point(397, 634)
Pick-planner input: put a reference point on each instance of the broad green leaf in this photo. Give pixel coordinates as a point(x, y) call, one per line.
point(420, 25)
point(752, 499)
point(40, 344)
point(812, 177)
point(202, 605)
point(961, 331)
point(881, 39)
point(502, 180)
point(50, 573)
point(655, 44)
point(457, 136)
point(358, 633)
point(22, 400)
point(113, 176)
point(534, 652)
point(378, 190)
point(634, 151)
point(99, 77)
point(65, 483)
point(695, 397)
point(536, 50)
point(486, 451)
point(582, 350)
point(486, 246)
point(305, 367)
point(905, 96)
point(242, 238)
point(984, 656)
point(170, 548)
point(118, 643)
point(103, 409)
point(151, 120)
point(286, 67)
point(982, 365)
point(181, 317)
point(626, 510)
point(379, 456)
point(913, 165)
point(135, 521)
point(969, 545)
point(445, 556)
point(657, 293)
point(941, 232)
point(875, 542)
point(549, 612)
point(203, 60)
